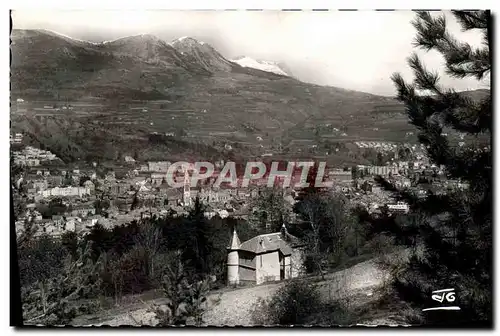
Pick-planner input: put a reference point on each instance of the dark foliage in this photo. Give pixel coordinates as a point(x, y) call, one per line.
point(52, 301)
point(301, 303)
point(40, 259)
point(54, 207)
point(453, 231)
point(332, 232)
point(69, 240)
point(292, 304)
point(269, 211)
point(187, 296)
point(198, 245)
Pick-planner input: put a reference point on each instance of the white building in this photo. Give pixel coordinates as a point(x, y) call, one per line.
point(382, 170)
point(268, 257)
point(65, 192)
point(159, 166)
point(399, 207)
point(129, 159)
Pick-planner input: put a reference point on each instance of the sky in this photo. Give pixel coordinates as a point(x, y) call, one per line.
point(352, 50)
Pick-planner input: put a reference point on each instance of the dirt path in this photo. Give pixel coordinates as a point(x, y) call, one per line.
point(233, 307)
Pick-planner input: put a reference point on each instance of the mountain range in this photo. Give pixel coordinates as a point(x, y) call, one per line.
point(144, 85)
point(45, 63)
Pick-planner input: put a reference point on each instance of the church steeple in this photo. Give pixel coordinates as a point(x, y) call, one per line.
point(187, 188)
point(284, 232)
point(235, 241)
point(233, 266)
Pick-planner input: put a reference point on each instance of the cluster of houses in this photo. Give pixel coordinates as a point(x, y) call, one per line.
point(418, 176)
point(81, 188)
point(137, 190)
point(387, 146)
point(58, 225)
point(45, 183)
point(379, 170)
point(17, 138)
point(67, 191)
point(31, 156)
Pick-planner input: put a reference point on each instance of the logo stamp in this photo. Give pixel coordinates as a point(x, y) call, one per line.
point(443, 295)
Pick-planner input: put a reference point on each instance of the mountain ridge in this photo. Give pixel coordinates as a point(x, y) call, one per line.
point(185, 87)
point(118, 53)
point(201, 53)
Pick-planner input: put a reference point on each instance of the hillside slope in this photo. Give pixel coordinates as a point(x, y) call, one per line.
point(201, 53)
point(233, 307)
point(207, 97)
point(94, 139)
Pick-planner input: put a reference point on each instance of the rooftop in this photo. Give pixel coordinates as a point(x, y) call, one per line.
point(270, 242)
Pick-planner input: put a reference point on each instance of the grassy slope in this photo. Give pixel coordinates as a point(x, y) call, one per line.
point(358, 285)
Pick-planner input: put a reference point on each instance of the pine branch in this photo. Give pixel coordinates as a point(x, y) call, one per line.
point(461, 59)
point(430, 31)
point(471, 19)
point(455, 230)
point(465, 115)
point(424, 79)
point(447, 108)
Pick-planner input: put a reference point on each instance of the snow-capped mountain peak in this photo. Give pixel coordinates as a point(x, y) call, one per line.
point(267, 66)
point(202, 53)
point(187, 39)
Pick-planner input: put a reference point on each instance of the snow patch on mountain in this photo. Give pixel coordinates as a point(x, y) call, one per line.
point(143, 35)
point(52, 32)
point(267, 66)
point(180, 39)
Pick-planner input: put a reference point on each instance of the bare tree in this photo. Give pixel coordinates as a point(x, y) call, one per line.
point(149, 240)
point(328, 223)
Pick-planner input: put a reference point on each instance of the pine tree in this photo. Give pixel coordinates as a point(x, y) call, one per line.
point(197, 243)
point(187, 297)
point(57, 300)
point(453, 230)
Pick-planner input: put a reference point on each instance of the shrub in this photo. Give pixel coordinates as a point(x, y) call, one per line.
point(111, 276)
point(302, 303)
point(134, 271)
point(54, 301)
point(69, 240)
point(310, 263)
point(293, 304)
point(40, 259)
point(186, 297)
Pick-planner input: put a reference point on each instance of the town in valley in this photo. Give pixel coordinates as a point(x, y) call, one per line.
point(232, 177)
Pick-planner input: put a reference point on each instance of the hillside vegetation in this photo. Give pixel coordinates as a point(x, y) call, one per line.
point(140, 84)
